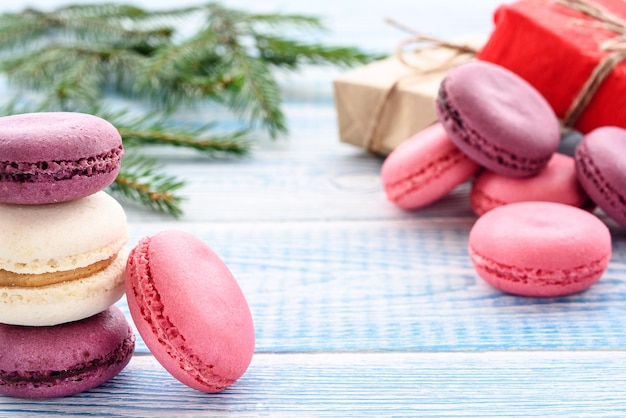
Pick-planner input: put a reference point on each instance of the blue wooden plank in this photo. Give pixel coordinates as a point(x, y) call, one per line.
point(398, 286)
point(350, 384)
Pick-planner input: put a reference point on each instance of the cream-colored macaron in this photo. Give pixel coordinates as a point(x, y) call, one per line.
point(61, 262)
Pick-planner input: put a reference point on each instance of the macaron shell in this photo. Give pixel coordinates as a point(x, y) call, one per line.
point(557, 182)
point(189, 310)
point(50, 157)
point(46, 362)
point(424, 169)
point(601, 170)
point(43, 136)
point(540, 249)
point(66, 301)
point(498, 119)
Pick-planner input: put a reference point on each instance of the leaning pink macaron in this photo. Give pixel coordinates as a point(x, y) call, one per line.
point(557, 182)
point(425, 168)
point(540, 249)
point(51, 157)
point(189, 310)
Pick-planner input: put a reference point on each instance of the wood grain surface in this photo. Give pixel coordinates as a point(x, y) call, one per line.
point(360, 308)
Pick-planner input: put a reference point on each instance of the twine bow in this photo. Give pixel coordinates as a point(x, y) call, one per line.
point(418, 37)
point(616, 48)
point(371, 137)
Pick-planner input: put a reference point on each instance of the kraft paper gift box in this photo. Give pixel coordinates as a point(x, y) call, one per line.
point(382, 104)
point(557, 48)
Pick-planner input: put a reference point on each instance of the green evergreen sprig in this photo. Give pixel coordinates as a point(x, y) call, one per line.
point(140, 181)
point(75, 56)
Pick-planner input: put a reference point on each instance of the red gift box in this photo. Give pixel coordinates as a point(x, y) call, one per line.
point(556, 49)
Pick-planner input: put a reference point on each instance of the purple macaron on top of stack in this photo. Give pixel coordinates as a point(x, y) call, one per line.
point(53, 157)
point(498, 119)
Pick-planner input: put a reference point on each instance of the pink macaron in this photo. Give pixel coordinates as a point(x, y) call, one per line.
point(498, 119)
point(52, 157)
point(540, 249)
point(189, 310)
point(424, 169)
point(62, 360)
point(601, 170)
point(557, 182)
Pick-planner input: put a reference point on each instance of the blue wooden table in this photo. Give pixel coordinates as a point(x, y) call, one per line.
point(362, 309)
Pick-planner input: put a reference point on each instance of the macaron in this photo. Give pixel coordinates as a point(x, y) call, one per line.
point(62, 360)
point(51, 157)
point(189, 310)
point(61, 262)
point(540, 249)
point(557, 182)
point(601, 170)
point(498, 119)
point(424, 168)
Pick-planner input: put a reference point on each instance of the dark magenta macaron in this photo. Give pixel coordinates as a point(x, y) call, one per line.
point(51, 157)
point(601, 170)
point(498, 119)
point(62, 360)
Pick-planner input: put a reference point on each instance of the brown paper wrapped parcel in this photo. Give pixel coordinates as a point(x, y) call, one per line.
point(382, 104)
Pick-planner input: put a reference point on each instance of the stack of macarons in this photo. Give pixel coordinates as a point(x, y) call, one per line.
point(497, 131)
point(63, 257)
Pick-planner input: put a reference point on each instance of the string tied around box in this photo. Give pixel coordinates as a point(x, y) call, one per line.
point(418, 37)
point(615, 48)
point(427, 42)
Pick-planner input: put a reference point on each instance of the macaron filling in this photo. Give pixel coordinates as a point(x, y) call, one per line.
point(541, 276)
point(55, 377)
point(57, 170)
point(9, 278)
point(430, 172)
point(474, 140)
point(151, 309)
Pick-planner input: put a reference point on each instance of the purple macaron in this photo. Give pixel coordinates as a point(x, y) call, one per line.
point(62, 360)
point(601, 170)
point(498, 119)
point(51, 157)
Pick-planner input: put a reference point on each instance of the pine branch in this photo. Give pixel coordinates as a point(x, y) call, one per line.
point(259, 96)
point(183, 73)
point(80, 55)
point(140, 181)
point(292, 54)
point(154, 128)
point(232, 143)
